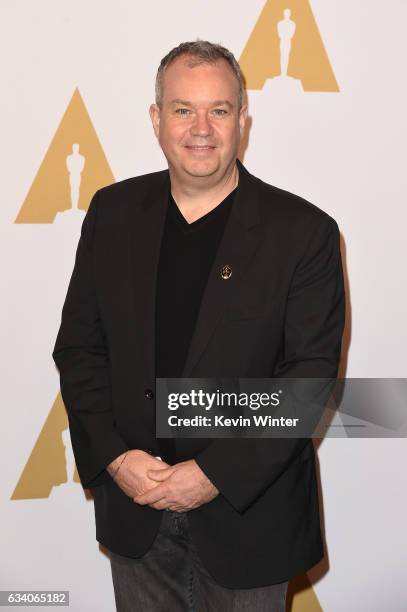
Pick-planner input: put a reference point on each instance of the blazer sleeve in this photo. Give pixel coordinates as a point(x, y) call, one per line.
point(82, 357)
point(242, 469)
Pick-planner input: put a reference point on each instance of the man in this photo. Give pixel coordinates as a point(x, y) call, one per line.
point(201, 270)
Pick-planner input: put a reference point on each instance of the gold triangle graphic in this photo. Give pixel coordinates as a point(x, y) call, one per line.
point(50, 191)
point(301, 596)
point(309, 62)
point(46, 466)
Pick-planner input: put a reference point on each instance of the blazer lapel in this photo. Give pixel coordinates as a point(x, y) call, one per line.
point(146, 228)
point(236, 248)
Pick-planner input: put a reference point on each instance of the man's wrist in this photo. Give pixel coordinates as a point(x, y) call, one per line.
point(114, 465)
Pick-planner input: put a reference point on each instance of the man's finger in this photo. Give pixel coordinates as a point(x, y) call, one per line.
point(152, 496)
point(160, 475)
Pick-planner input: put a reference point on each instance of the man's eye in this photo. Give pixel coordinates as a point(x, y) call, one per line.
point(220, 112)
point(182, 111)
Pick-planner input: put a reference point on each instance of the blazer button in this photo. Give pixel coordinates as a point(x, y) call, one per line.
point(148, 394)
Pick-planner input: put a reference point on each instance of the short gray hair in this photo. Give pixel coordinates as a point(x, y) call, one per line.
point(199, 52)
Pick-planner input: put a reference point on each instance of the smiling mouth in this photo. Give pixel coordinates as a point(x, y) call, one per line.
point(199, 147)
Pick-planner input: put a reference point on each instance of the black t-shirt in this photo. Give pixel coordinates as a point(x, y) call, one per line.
point(186, 256)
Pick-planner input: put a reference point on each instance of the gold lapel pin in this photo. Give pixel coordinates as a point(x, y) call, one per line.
point(226, 271)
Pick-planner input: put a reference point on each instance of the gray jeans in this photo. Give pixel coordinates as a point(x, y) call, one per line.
point(170, 577)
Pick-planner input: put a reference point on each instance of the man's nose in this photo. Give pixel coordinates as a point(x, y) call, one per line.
point(201, 125)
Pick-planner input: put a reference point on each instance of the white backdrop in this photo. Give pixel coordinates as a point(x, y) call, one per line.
point(344, 151)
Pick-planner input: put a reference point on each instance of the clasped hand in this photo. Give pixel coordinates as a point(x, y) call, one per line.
point(150, 481)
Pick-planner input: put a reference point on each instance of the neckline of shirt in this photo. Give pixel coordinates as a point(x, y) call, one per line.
point(179, 218)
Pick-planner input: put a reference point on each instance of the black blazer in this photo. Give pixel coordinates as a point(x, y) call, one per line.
point(281, 313)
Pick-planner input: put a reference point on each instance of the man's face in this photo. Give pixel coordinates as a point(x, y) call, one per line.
point(199, 125)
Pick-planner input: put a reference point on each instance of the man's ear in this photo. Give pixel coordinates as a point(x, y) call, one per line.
point(155, 118)
point(242, 119)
